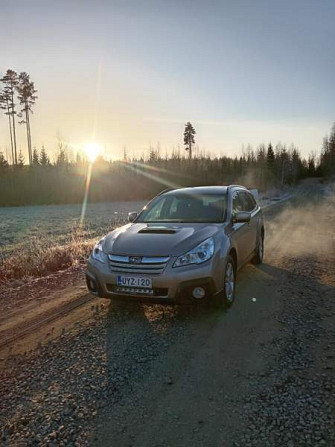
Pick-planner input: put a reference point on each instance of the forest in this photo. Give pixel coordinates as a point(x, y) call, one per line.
point(63, 181)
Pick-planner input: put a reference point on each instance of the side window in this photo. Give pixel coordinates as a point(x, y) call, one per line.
point(252, 202)
point(237, 202)
point(247, 203)
point(243, 202)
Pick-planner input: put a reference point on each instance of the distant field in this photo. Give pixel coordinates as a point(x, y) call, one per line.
point(23, 227)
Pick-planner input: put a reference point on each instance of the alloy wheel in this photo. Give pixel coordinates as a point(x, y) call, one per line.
point(260, 249)
point(229, 282)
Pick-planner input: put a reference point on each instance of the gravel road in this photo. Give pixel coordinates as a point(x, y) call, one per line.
point(261, 374)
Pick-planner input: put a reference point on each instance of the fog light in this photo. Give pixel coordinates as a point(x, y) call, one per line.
point(198, 293)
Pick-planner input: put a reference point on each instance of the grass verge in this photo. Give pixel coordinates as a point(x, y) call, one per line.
point(42, 257)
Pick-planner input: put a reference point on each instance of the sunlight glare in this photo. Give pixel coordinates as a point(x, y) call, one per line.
point(92, 150)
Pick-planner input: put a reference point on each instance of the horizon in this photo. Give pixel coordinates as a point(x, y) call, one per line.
point(242, 75)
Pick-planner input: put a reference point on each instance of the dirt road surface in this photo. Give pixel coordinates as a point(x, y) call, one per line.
point(260, 374)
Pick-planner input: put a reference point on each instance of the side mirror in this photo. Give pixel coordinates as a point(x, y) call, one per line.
point(242, 216)
point(132, 216)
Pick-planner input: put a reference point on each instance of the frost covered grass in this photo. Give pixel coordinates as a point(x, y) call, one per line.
point(37, 241)
point(42, 257)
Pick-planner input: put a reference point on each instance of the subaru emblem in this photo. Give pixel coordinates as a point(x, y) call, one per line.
point(135, 259)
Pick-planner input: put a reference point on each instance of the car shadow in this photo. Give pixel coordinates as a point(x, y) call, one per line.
point(138, 333)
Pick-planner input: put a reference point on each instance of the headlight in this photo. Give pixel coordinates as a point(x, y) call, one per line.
point(199, 254)
point(97, 252)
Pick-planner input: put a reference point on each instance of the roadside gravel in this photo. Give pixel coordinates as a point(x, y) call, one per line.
point(53, 398)
point(292, 403)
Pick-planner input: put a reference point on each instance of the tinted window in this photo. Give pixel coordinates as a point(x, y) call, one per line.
point(243, 201)
point(237, 202)
point(253, 201)
point(248, 204)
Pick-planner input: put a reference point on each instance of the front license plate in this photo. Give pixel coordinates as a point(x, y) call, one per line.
point(134, 281)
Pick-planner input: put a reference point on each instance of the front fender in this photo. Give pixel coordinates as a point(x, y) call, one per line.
point(225, 248)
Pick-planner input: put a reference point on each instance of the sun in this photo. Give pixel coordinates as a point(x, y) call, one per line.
point(93, 150)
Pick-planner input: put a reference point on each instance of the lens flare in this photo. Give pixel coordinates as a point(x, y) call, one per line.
point(87, 188)
point(93, 150)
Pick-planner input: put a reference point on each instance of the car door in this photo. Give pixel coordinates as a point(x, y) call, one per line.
point(249, 204)
point(241, 233)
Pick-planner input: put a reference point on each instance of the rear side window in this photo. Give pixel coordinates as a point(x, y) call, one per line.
point(253, 201)
point(248, 201)
point(237, 202)
point(243, 201)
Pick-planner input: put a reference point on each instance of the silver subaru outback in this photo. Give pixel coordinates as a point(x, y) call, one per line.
point(186, 245)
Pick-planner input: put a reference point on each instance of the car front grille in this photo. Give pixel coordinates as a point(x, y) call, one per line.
point(153, 265)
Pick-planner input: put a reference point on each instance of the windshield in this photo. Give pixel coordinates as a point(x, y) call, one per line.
point(185, 208)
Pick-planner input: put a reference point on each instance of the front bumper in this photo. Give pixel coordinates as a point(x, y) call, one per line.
point(173, 285)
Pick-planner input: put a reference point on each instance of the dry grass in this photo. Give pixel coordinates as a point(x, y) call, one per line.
point(42, 257)
point(57, 246)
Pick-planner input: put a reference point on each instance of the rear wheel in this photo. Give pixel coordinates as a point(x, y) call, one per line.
point(258, 259)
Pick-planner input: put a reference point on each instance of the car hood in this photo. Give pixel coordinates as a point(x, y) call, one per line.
point(143, 239)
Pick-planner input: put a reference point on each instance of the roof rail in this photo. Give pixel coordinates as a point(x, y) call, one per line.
point(237, 186)
point(165, 190)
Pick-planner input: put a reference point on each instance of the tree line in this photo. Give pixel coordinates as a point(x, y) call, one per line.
point(62, 180)
point(327, 157)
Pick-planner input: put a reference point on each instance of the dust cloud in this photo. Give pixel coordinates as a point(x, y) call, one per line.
point(300, 229)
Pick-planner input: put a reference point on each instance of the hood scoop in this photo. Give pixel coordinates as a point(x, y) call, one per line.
point(158, 230)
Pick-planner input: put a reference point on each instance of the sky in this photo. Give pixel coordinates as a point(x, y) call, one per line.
point(132, 73)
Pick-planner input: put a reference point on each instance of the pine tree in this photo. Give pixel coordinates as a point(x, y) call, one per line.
point(20, 160)
point(327, 159)
point(189, 138)
point(3, 162)
point(284, 164)
point(331, 149)
point(296, 165)
point(270, 158)
point(44, 159)
point(311, 165)
point(4, 105)
point(260, 157)
point(152, 154)
point(27, 97)
point(62, 157)
point(7, 99)
point(35, 158)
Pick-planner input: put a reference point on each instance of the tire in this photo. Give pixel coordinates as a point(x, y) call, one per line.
point(258, 258)
point(227, 295)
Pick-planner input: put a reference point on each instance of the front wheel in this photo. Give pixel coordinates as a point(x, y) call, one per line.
point(227, 295)
point(258, 259)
